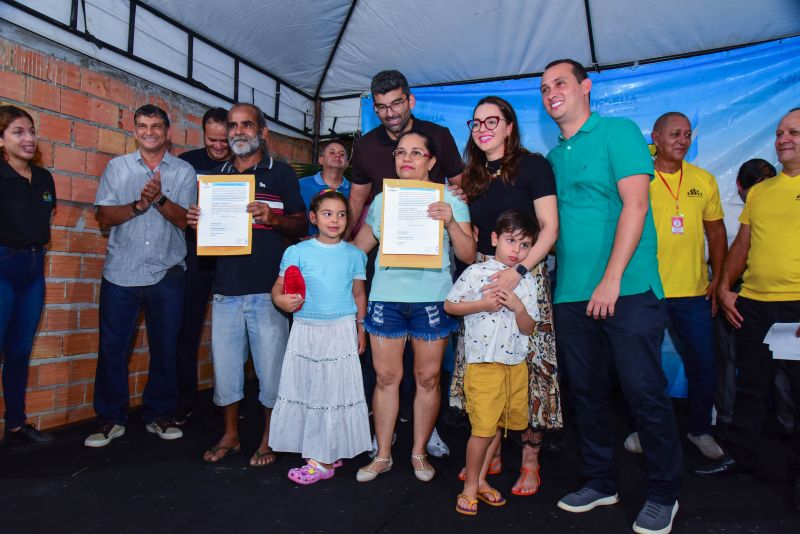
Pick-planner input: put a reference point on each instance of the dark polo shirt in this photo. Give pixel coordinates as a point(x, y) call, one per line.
point(25, 207)
point(277, 185)
point(373, 161)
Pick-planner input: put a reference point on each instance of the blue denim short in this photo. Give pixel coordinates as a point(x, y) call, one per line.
point(420, 320)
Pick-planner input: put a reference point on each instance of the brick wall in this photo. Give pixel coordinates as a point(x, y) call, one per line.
point(83, 112)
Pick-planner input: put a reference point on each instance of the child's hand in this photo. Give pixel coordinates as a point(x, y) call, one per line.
point(362, 339)
point(510, 300)
point(491, 302)
point(289, 302)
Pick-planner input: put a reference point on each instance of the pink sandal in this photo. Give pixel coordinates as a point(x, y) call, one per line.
point(310, 473)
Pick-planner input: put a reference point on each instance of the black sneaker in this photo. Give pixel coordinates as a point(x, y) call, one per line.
point(28, 434)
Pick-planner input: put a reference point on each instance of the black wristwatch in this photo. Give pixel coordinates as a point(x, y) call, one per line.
point(161, 200)
point(136, 211)
point(521, 270)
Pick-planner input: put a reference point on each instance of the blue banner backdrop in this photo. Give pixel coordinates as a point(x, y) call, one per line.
point(734, 100)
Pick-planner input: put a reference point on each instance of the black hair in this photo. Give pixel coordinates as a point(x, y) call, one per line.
point(337, 141)
point(389, 80)
point(219, 115)
point(151, 111)
point(326, 194)
point(513, 221)
point(430, 145)
point(753, 171)
point(577, 68)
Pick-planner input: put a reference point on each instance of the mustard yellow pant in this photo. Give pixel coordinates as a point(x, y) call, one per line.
point(496, 396)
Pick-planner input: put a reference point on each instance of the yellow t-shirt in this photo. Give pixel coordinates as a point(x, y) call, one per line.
point(682, 256)
point(772, 210)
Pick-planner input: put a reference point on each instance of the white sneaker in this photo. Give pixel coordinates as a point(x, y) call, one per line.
point(707, 445)
point(374, 451)
point(106, 431)
point(632, 443)
point(165, 428)
point(436, 447)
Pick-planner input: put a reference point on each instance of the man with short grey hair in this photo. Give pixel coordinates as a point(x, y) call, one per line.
point(243, 317)
point(142, 198)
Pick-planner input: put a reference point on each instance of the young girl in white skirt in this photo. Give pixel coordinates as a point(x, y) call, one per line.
point(321, 412)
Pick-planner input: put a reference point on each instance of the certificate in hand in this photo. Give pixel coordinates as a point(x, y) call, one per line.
point(409, 237)
point(225, 228)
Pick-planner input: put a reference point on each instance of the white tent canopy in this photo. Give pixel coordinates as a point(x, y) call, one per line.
point(290, 55)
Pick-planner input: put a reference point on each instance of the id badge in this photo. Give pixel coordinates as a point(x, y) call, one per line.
point(677, 224)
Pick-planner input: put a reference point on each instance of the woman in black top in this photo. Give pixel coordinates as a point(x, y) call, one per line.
point(500, 175)
point(27, 200)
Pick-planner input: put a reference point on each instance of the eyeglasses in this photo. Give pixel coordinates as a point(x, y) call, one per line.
point(490, 122)
point(414, 155)
point(396, 106)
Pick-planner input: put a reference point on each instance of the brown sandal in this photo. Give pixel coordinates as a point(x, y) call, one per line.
point(270, 458)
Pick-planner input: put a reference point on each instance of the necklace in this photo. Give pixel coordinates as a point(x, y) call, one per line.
point(496, 173)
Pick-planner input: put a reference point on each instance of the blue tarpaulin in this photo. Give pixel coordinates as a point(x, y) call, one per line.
point(734, 100)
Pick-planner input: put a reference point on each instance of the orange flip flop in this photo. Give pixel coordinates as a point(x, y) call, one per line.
point(495, 468)
point(470, 509)
point(524, 471)
point(491, 497)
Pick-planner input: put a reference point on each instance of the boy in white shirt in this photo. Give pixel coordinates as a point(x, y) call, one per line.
point(497, 327)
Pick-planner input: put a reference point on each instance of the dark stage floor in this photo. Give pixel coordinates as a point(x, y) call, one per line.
point(140, 483)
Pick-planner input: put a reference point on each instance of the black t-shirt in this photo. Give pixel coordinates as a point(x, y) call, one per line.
point(277, 185)
point(203, 164)
point(25, 207)
point(534, 180)
point(373, 160)
point(201, 161)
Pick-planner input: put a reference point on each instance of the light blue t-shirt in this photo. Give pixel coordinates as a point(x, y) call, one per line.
point(401, 284)
point(329, 271)
point(311, 185)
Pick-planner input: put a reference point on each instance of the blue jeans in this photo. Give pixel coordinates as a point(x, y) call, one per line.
point(21, 303)
point(238, 323)
point(692, 322)
point(119, 310)
point(631, 341)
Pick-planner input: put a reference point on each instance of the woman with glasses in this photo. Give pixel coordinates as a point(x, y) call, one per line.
point(409, 303)
point(500, 174)
point(27, 200)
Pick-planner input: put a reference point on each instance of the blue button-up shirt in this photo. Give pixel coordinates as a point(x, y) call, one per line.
point(311, 186)
point(142, 249)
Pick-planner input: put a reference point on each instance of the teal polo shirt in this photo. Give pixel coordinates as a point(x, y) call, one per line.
point(587, 167)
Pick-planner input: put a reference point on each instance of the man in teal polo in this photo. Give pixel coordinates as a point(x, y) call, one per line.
point(608, 307)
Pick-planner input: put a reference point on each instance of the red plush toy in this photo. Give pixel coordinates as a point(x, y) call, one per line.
point(293, 283)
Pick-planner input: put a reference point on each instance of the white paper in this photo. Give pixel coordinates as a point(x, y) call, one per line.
point(224, 221)
point(407, 228)
point(783, 341)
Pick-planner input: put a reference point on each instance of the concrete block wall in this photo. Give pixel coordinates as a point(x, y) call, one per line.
point(83, 112)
